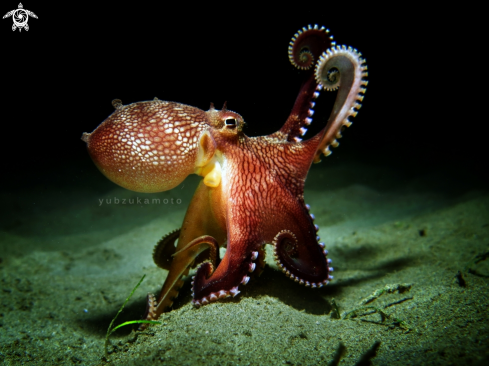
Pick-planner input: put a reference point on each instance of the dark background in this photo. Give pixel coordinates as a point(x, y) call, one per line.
point(59, 78)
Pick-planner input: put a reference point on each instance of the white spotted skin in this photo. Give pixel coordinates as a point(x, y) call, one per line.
point(148, 146)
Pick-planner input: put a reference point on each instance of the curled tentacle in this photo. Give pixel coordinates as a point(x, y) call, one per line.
point(307, 45)
point(164, 250)
point(344, 69)
point(303, 264)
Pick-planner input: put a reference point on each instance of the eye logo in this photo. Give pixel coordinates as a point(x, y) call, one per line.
point(20, 17)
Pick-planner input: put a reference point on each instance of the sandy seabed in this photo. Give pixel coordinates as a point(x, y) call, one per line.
point(410, 287)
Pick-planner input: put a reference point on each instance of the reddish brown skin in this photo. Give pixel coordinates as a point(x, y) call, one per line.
point(259, 197)
point(262, 194)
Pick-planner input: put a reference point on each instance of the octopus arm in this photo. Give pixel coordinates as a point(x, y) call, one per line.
point(344, 69)
point(201, 221)
point(297, 251)
point(299, 118)
point(305, 48)
point(211, 283)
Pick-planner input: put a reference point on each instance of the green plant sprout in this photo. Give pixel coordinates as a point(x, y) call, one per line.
point(111, 330)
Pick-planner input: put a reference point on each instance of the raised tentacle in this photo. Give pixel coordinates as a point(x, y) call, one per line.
point(305, 48)
point(340, 67)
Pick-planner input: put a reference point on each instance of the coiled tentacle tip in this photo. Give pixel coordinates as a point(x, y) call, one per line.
point(307, 44)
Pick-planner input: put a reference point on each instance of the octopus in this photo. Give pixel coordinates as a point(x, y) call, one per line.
point(252, 191)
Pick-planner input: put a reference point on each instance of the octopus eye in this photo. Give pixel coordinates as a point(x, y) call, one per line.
point(230, 122)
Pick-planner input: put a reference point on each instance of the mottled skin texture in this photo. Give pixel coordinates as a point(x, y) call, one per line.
point(252, 191)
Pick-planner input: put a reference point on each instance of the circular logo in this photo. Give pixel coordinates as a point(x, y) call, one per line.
point(20, 17)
